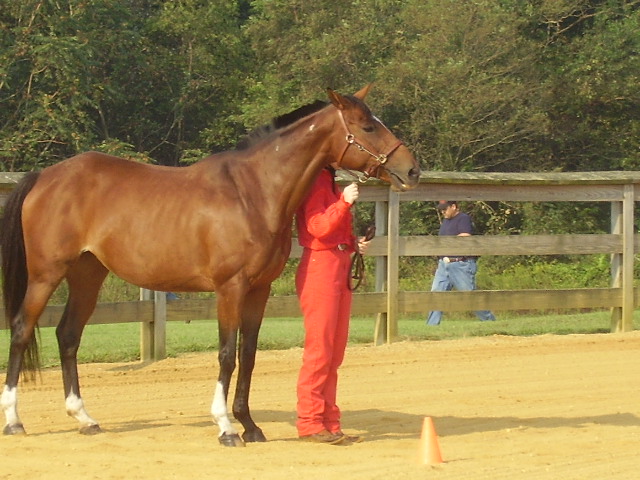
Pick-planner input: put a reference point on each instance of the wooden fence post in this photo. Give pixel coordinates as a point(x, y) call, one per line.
point(616, 263)
point(160, 330)
point(393, 259)
point(153, 333)
point(146, 331)
point(628, 300)
point(625, 323)
point(622, 223)
point(381, 334)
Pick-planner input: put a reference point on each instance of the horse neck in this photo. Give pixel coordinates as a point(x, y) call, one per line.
point(300, 153)
point(273, 176)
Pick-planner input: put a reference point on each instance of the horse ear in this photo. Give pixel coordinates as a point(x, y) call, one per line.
point(339, 101)
point(342, 102)
point(363, 91)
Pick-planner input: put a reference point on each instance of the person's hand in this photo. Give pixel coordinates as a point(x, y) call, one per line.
point(363, 242)
point(363, 245)
point(350, 193)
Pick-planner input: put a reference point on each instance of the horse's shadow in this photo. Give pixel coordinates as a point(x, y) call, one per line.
point(377, 424)
point(119, 427)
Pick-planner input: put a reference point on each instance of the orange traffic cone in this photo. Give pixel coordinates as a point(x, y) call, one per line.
point(429, 446)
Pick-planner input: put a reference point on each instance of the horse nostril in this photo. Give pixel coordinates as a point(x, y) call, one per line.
point(414, 172)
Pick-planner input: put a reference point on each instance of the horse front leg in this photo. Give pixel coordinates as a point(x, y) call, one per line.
point(228, 435)
point(252, 315)
point(241, 411)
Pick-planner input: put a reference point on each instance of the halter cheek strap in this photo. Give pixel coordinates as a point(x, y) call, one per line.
point(378, 159)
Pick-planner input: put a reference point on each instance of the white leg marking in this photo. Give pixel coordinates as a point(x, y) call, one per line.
point(219, 411)
point(9, 402)
point(75, 409)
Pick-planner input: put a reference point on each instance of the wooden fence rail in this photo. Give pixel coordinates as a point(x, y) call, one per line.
point(619, 189)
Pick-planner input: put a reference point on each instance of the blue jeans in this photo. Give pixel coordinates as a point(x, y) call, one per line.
point(462, 276)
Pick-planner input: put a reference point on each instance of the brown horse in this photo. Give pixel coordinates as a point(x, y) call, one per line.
point(222, 224)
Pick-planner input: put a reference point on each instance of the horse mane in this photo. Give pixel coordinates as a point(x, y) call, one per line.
point(279, 122)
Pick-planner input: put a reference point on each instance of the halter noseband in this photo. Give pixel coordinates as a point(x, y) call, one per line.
point(379, 159)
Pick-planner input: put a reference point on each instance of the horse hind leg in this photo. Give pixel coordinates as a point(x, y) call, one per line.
point(85, 279)
point(9, 403)
point(23, 350)
point(21, 337)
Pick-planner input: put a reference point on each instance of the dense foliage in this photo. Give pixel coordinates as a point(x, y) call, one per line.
point(483, 85)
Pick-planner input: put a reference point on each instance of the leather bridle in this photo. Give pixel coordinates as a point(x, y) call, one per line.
point(379, 159)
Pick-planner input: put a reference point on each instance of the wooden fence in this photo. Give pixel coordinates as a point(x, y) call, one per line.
point(619, 189)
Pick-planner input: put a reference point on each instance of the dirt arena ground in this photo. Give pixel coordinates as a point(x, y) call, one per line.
point(547, 407)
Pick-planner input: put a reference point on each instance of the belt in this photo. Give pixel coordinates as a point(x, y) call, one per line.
point(342, 246)
point(454, 259)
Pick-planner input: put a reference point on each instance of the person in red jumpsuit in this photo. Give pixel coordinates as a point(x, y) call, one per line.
point(324, 224)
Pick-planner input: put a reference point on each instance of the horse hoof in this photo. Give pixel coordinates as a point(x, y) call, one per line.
point(17, 429)
point(254, 436)
point(90, 429)
point(231, 440)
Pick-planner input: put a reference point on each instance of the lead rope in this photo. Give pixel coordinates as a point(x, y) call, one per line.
point(357, 270)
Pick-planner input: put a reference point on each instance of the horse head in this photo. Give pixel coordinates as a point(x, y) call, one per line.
point(369, 146)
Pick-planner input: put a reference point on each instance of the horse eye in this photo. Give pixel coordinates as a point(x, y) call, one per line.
point(369, 128)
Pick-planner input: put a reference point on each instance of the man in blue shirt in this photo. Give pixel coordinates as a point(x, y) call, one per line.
point(458, 272)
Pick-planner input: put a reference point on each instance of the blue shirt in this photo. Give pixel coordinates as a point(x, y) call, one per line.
point(461, 223)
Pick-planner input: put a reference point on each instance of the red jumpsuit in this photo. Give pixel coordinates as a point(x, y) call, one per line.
point(324, 224)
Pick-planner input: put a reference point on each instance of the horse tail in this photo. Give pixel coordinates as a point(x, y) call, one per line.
point(14, 266)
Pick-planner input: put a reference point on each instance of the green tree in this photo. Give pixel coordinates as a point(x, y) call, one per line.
point(463, 87)
point(304, 46)
point(200, 45)
point(143, 79)
point(44, 92)
point(592, 56)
